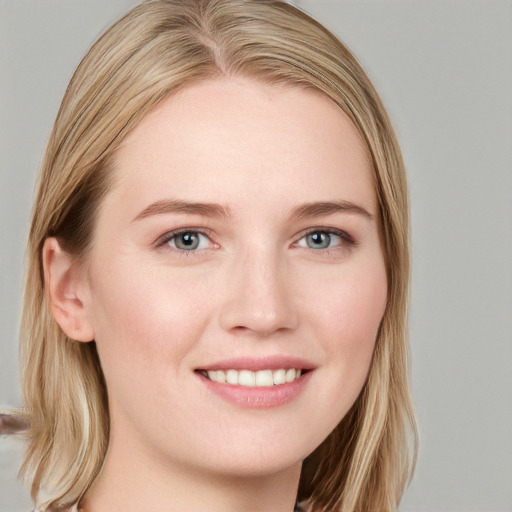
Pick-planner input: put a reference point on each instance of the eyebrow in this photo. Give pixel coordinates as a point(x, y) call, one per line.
point(320, 209)
point(316, 209)
point(176, 206)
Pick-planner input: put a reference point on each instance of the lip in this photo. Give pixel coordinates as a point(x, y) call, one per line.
point(261, 363)
point(258, 397)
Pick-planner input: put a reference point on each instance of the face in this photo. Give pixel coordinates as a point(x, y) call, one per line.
point(236, 280)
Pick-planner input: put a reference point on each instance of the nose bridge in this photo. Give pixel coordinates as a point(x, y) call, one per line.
point(259, 298)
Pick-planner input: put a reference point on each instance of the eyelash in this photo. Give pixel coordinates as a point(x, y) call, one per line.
point(168, 237)
point(345, 238)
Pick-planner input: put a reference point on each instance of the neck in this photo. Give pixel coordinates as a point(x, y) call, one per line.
point(134, 480)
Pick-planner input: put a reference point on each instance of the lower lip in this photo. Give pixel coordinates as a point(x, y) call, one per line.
point(264, 397)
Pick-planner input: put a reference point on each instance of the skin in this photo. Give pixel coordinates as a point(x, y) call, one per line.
point(255, 287)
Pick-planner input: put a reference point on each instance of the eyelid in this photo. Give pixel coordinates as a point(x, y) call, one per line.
point(164, 239)
point(345, 237)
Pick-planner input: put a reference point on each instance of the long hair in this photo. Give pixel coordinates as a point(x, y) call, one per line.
point(158, 48)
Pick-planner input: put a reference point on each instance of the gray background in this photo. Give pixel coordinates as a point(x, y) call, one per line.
point(444, 69)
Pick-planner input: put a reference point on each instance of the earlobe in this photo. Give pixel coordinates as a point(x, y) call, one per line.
point(65, 287)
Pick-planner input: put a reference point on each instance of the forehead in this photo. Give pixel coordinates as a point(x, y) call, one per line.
point(220, 134)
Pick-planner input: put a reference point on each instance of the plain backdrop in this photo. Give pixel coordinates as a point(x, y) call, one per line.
point(444, 70)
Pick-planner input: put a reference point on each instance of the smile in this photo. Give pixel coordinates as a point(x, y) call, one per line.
point(257, 383)
point(248, 378)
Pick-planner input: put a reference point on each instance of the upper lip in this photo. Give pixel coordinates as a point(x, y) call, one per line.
point(260, 363)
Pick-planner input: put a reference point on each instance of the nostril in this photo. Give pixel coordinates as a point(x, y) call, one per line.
point(257, 330)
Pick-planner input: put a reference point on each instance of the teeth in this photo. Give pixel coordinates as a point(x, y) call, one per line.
point(262, 378)
point(290, 375)
point(279, 377)
point(231, 377)
point(246, 378)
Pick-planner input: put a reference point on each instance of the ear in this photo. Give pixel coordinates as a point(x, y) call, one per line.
point(66, 291)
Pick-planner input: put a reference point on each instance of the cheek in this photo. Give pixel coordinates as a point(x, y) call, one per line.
point(143, 323)
point(348, 314)
point(344, 316)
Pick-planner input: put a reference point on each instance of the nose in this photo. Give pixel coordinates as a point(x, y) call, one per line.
point(259, 300)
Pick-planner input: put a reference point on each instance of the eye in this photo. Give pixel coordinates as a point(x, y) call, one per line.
point(187, 240)
point(323, 239)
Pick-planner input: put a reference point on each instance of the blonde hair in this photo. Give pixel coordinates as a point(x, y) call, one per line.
point(155, 50)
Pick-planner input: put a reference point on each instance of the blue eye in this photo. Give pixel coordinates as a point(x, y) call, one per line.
point(320, 239)
point(188, 241)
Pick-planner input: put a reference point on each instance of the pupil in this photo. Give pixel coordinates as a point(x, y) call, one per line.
point(188, 239)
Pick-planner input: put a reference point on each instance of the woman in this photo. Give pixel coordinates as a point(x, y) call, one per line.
point(217, 277)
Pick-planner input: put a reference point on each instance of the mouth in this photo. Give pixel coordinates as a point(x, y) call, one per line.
point(265, 378)
point(257, 383)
